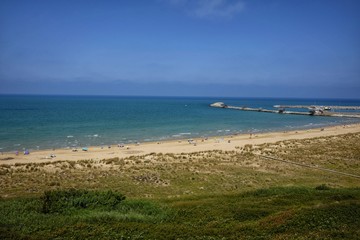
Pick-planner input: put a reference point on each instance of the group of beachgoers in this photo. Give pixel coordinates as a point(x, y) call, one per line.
point(26, 152)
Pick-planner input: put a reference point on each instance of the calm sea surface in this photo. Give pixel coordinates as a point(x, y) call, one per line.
point(40, 122)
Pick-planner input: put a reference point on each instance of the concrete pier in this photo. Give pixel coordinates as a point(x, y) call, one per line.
point(318, 106)
point(282, 111)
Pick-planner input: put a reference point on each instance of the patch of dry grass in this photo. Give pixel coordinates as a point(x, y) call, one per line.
point(159, 175)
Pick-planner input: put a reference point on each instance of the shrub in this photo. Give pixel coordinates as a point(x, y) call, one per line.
point(322, 187)
point(62, 201)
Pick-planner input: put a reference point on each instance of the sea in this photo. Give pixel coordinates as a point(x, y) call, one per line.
point(50, 122)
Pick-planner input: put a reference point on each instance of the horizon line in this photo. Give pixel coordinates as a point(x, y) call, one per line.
point(174, 96)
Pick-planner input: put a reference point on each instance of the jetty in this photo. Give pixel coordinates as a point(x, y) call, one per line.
point(313, 110)
point(317, 106)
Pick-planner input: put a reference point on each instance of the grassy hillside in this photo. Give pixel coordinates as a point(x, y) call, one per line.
point(205, 195)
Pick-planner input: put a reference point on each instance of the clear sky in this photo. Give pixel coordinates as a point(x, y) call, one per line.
point(239, 48)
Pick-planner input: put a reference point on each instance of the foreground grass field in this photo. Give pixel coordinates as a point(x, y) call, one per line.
point(283, 213)
point(205, 195)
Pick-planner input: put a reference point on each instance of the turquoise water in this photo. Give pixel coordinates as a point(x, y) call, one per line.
point(40, 122)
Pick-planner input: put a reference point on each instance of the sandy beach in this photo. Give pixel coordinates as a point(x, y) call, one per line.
point(175, 146)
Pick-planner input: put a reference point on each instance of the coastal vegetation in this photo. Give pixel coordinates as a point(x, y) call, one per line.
point(235, 194)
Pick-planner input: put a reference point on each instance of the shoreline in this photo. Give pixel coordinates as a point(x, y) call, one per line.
point(177, 137)
point(224, 142)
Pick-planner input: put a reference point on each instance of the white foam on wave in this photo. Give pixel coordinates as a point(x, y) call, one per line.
point(70, 136)
point(186, 133)
point(92, 136)
point(163, 138)
point(313, 125)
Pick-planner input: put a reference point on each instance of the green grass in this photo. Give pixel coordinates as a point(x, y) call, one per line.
point(282, 212)
point(62, 201)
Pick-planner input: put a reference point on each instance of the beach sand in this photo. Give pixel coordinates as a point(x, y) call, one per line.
point(225, 143)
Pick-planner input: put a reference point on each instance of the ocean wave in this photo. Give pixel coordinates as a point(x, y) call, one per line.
point(92, 136)
point(314, 124)
point(163, 138)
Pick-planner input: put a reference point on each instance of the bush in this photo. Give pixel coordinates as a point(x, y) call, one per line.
point(62, 201)
point(322, 187)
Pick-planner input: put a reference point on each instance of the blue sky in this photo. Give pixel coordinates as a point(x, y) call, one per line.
point(239, 48)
